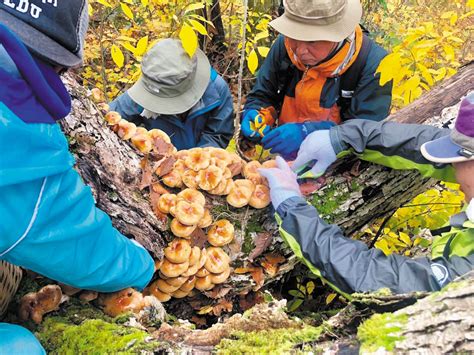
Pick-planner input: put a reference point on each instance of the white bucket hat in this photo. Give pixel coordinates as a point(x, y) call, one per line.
point(318, 20)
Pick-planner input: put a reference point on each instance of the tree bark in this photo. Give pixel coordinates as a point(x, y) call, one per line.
point(363, 192)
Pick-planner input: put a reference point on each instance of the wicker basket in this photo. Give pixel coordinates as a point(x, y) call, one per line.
point(10, 277)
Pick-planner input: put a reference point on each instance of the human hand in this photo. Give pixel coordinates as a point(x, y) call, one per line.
point(317, 146)
point(253, 125)
point(282, 182)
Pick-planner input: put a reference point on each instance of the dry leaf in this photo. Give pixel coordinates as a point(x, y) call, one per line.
point(218, 292)
point(198, 238)
point(262, 242)
point(147, 174)
point(160, 146)
point(199, 321)
point(165, 166)
point(221, 306)
point(250, 300)
point(258, 277)
point(158, 188)
point(311, 186)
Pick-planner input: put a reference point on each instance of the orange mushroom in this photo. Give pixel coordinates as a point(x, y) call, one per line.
point(170, 269)
point(189, 178)
point(221, 233)
point(197, 159)
point(217, 260)
point(176, 281)
point(142, 141)
point(240, 193)
point(260, 197)
point(206, 220)
point(192, 196)
point(97, 95)
point(181, 230)
point(173, 179)
point(165, 202)
point(127, 300)
point(112, 118)
point(163, 286)
point(179, 294)
point(269, 164)
point(204, 283)
point(35, 305)
point(188, 213)
point(220, 278)
point(191, 270)
point(195, 256)
point(209, 178)
point(161, 296)
point(177, 251)
point(202, 272)
point(188, 285)
point(158, 133)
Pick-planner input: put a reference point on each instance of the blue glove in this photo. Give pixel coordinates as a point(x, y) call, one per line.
point(282, 182)
point(317, 146)
point(248, 125)
point(287, 139)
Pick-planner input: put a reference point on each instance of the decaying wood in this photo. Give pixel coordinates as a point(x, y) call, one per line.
point(363, 192)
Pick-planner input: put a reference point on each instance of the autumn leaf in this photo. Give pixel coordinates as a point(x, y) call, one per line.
point(221, 306)
point(252, 61)
point(142, 46)
point(147, 174)
point(198, 238)
point(198, 26)
point(165, 166)
point(117, 56)
point(189, 39)
point(258, 277)
point(126, 10)
point(330, 298)
point(262, 241)
point(218, 292)
point(158, 188)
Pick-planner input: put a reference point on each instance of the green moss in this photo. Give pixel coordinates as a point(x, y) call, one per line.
point(331, 198)
point(277, 341)
point(381, 331)
point(94, 336)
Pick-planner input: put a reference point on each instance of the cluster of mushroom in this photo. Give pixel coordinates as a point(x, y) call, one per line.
point(186, 267)
point(213, 169)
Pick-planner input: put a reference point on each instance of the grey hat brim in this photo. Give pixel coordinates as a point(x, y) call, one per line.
point(443, 150)
point(180, 103)
point(40, 44)
point(335, 32)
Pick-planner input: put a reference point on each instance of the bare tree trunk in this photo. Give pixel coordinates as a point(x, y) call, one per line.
point(363, 192)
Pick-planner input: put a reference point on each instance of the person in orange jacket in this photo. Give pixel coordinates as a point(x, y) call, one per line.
point(320, 72)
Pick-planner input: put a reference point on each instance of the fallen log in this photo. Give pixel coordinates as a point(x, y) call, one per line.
point(353, 195)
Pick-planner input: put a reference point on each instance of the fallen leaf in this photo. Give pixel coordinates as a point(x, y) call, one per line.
point(355, 170)
point(205, 310)
point(262, 242)
point(199, 321)
point(310, 186)
point(221, 306)
point(258, 277)
point(165, 166)
point(198, 238)
point(158, 188)
point(160, 146)
point(147, 174)
point(250, 300)
point(218, 292)
point(270, 263)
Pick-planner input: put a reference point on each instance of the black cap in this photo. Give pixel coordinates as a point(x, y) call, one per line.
point(54, 30)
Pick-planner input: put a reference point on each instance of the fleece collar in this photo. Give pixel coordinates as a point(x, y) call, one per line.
point(30, 88)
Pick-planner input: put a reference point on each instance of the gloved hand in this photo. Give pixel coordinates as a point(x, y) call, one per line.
point(282, 182)
point(287, 139)
point(317, 146)
point(249, 127)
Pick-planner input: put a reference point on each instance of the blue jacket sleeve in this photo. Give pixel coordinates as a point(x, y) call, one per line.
point(219, 127)
point(347, 264)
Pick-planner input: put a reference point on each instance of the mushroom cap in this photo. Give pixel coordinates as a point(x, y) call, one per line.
point(161, 296)
point(127, 300)
point(112, 117)
point(181, 154)
point(269, 164)
point(220, 278)
point(197, 159)
point(228, 187)
point(172, 179)
point(217, 260)
point(142, 141)
point(192, 196)
point(191, 270)
point(158, 133)
point(220, 188)
point(221, 233)
point(188, 213)
point(251, 168)
point(189, 284)
point(179, 294)
point(206, 220)
point(189, 178)
point(204, 283)
point(103, 107)
point(195, 256)
point(180, 166)
point(202, 272)
point(163, 286)
point(181, 230)
point(176, 281)
point(178, 251)
point(158, 264)
point(221, 164)
point(126, 130)
point(203, 258)
point(260, 197)
point(170, 269)
point(97, 95)
point(165, 202)
point(240, 193)
point(209, 178)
